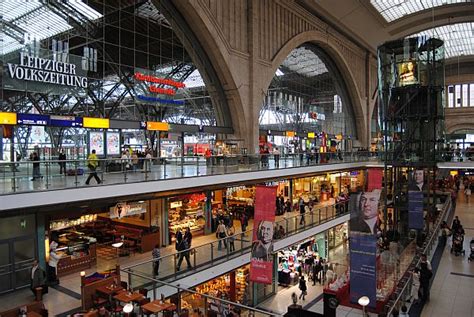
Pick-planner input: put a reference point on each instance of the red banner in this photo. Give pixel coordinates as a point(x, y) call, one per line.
point(261, 261)
point(374, 179)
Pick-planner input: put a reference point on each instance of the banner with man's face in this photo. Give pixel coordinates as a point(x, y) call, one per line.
point(363, 226)
point(261, 262)
point(364, 208)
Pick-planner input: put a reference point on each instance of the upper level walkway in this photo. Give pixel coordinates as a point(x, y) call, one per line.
point(196, 172)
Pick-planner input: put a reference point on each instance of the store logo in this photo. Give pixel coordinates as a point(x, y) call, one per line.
point(49, 71)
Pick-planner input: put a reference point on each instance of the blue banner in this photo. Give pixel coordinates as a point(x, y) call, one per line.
point(363, 248)
point(415, 210)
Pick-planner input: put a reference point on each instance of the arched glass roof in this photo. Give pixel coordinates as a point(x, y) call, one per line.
point(458, 38)
point(396, 9)
point(34, 19)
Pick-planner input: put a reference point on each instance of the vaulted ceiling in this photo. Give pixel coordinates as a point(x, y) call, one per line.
point(373, 22)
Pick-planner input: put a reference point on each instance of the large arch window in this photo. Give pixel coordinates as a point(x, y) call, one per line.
point(307, 95)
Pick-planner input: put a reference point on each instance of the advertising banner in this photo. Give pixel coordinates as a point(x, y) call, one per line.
point(415, 209)
point(261, 261)
point(121, 210)
point(363, 267)
point(96, 142)
point(363, 226)
point(113, 143)
point(374, 176)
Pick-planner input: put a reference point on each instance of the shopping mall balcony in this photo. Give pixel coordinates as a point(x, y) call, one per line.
point(124, 177)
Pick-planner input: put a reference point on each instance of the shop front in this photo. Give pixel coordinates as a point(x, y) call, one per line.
point(125, 229)
point(233, 286)
point(187, 211)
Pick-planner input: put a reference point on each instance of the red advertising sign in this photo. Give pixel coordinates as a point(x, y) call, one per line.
point(374, 176)
point(261, 261)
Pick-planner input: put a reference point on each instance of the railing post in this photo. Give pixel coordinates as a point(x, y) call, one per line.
point(197, 165)
point(75, 173)
point(14, 187)
point(129, 275)
point(286, 225)
point(174, 264)
point(164, 167)
point(242, 235)
point(212, 252)
point(125, 172)
point(47, 175)
point(194, 257)
point(225, 164)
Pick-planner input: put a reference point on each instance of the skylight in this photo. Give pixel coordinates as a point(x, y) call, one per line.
point(458, 38)
point(396, 9)
point(194, 80)
point(35, 20)
point(305, 62)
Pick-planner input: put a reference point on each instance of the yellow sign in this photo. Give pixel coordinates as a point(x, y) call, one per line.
point(339, 137)
point(311, 135)
point(8, 118)
point(157, 126)
point(453, 173)
point(96, 123)
point(290, 133)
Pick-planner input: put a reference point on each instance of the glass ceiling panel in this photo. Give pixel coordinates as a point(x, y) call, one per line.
point(458, 38)
point(396, 9)
point(35, 18)
point(305, 62)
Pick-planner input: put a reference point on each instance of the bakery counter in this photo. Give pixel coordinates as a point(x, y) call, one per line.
point(82, 258)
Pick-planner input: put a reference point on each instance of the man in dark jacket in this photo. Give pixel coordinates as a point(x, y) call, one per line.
point(184, 247)
point(37, 277)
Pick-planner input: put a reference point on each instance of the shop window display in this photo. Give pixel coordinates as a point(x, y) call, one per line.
point(187, 211)
point(234, 287)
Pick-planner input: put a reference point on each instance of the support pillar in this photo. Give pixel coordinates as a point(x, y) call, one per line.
point(208, 213)
point(40, 238)
point(165, 222)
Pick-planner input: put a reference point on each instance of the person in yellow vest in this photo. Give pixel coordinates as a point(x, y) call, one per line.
point(92, 163)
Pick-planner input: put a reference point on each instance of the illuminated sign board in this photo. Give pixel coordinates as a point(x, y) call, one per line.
point(65, 121)
point(311, 135)
point(163, 81)
point(407, 73)
point(160, 100)
point(290, 133)
point(162, 91)
point(96, 142)
point(32, 119)
point(96, 123)
point(8, 118)
point(31, 68)
point(157, 126)
point(113, 143)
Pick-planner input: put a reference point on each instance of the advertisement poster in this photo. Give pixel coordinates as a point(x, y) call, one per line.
point(363, 226)
point(261, 259)
point(363, 248)
point(364, 210)
point(415, 210)
point(96, 142)
point(113, 143)
point(374, 176)
point(121, 210)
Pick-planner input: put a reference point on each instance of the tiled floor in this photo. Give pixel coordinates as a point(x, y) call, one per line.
point(453, 295)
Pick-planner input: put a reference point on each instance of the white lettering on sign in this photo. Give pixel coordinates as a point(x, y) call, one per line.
point(46, 71)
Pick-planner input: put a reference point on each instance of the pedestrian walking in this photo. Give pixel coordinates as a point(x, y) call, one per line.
point(36, 166)
point(156, 254)
point(426, 273)
point(62, 163)
point(185, 249)
point(221, 235)
point(92, 163)
point(302, 210)
point(231, 238)
point(244, 221)
point(302, 287)
point(53, 264)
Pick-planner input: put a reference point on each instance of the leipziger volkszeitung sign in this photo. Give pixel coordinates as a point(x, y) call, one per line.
point(43, 70)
